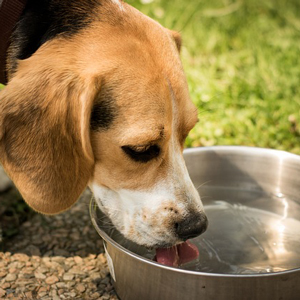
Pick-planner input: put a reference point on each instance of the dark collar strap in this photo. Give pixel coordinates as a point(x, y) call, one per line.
point(10, 12)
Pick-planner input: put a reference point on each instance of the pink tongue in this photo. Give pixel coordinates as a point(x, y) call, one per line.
point(177, 255)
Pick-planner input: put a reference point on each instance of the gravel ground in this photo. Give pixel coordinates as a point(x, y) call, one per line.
point(55, 257)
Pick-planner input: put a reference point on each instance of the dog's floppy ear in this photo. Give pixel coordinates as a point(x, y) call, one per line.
point(177, 38)
point(45, 137)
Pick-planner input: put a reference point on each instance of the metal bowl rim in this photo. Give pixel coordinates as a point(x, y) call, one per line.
point(245, 149)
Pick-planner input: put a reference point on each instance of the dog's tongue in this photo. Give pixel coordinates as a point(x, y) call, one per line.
point(177, 255)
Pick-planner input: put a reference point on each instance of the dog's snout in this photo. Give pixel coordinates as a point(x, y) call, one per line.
point(191, 226)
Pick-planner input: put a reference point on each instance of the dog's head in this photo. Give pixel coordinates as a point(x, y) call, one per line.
point(108, 107)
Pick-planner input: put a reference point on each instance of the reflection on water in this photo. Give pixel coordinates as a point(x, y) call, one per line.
point(247, 240)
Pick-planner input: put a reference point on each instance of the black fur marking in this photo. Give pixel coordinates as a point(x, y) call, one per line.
point(43, 20)
point(104, 111)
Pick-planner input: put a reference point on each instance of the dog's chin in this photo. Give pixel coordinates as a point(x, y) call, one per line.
point(164, 245)
point(151, 243)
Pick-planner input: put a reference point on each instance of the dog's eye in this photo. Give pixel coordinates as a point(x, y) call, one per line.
point(141, 153)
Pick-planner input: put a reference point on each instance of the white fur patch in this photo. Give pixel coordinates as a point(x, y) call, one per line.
point(126, 209)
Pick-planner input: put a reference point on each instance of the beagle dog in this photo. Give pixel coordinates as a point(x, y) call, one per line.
point(97, 97)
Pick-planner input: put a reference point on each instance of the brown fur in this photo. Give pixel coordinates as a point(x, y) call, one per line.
point(46, 144)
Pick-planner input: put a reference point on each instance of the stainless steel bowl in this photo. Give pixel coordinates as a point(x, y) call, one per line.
point(247, 179)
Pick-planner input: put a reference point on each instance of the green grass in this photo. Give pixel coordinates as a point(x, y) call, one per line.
point(242, 61)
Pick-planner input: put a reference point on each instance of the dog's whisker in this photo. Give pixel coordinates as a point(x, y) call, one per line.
point(202, 184)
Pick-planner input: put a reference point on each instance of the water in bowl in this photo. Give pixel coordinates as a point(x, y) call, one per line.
point(257, 236)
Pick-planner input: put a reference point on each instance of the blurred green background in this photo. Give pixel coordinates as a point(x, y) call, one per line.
point(242, 61)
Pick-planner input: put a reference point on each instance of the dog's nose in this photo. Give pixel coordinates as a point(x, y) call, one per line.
point(191, 226)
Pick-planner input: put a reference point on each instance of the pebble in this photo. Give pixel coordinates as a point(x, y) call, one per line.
point(20, 257)
point(71, 294)
point(43, 289)
point(51, 280)
point(28, 295)
point(95, 295)
point(68, 277)
point(78, 260)
point(42, 270)
point(76, 270)
point(12, 270)
point(70, 284)
point(60, 291)
point(80, 288)
point(95, 276)
point(11, 277)
point(60, 285)
point(33, 250)
point(28, 271)
point(39, 275)
point(56, 257)
point(60, 252)
point(6, 285)
point(2, 292)
point(42, 294)
point(53, 293)
point(3, 274)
